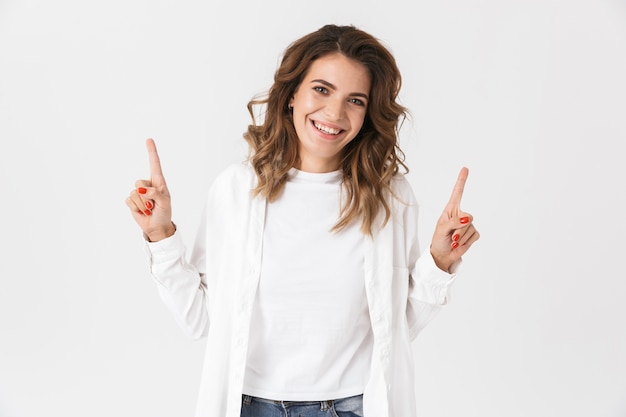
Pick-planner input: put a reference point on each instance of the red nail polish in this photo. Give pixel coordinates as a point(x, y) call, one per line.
point(455, 245)
point(455, 237)
point(147, 212)
point(149, 204)
point(141, 190)
point(464, 220)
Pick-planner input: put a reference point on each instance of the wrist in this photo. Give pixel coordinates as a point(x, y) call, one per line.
point(442, 264)
point(161, 234)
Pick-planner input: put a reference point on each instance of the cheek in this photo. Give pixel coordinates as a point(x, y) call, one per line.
point(304, 100)
point(299, 116)
point(358, 120)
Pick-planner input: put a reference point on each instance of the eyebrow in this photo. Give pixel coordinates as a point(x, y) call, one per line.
point(332, 86)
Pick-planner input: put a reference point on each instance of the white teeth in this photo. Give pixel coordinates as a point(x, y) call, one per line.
point(326, 129)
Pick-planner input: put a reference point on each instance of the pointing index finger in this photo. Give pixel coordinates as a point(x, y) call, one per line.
point(457, 191)
point(156, 174)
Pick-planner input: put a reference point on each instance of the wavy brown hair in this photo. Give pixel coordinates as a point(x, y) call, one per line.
point(370, 160)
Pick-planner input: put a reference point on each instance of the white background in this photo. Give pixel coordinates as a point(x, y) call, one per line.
point(530, 95)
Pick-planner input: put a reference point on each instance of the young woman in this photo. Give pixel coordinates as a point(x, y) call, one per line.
point(306, 276)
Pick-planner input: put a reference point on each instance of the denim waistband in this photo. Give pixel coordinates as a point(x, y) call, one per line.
point(247, 399)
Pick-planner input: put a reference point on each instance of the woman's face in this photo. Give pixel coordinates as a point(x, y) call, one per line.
point(329, 107)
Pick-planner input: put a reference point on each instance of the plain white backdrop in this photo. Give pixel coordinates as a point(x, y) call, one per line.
point(530, 95)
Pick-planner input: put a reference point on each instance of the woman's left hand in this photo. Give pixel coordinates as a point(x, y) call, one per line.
point(455, 232)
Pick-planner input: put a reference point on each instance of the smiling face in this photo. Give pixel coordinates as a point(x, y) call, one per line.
point(329, 107)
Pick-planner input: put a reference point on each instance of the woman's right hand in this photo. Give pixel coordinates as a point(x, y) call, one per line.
point(150, 203)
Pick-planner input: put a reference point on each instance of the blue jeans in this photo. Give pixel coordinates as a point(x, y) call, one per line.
point(260, 407)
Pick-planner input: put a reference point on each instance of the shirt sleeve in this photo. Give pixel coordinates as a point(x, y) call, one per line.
point(181, 283)
point(429, 286)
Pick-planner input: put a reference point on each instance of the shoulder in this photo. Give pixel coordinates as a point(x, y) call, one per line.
point(234, 177)
point(402, 190)
point(231, 201)
point(235, 172)
point(233, 188)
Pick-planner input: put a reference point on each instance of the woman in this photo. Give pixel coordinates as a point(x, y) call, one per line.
point(306, 276)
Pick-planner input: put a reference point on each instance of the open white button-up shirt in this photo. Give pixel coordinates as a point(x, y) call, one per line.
point(212, 293)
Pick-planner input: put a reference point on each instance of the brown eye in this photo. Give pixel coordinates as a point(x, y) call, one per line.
point(322, 90)
point(357, 101)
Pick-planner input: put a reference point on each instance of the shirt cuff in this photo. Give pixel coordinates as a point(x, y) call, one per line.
point(165, 250)
point(434, 283)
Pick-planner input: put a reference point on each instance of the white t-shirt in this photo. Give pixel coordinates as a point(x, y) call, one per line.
point(310, 334)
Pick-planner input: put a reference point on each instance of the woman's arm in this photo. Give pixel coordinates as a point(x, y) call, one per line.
point(181, 283)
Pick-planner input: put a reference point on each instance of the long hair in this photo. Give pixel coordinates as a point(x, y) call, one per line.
point(370, 160)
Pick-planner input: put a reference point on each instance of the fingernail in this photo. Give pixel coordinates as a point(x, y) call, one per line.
point(464, 220)
point(455, 245)
point(141, 190)
point(139, 211)
point(147, 212)
point(455, 237)
point(149, 204)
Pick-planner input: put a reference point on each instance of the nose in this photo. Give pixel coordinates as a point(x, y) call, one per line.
point(334, 109)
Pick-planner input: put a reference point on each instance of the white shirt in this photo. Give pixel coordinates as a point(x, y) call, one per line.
point(310, 335)
point(212, 294)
